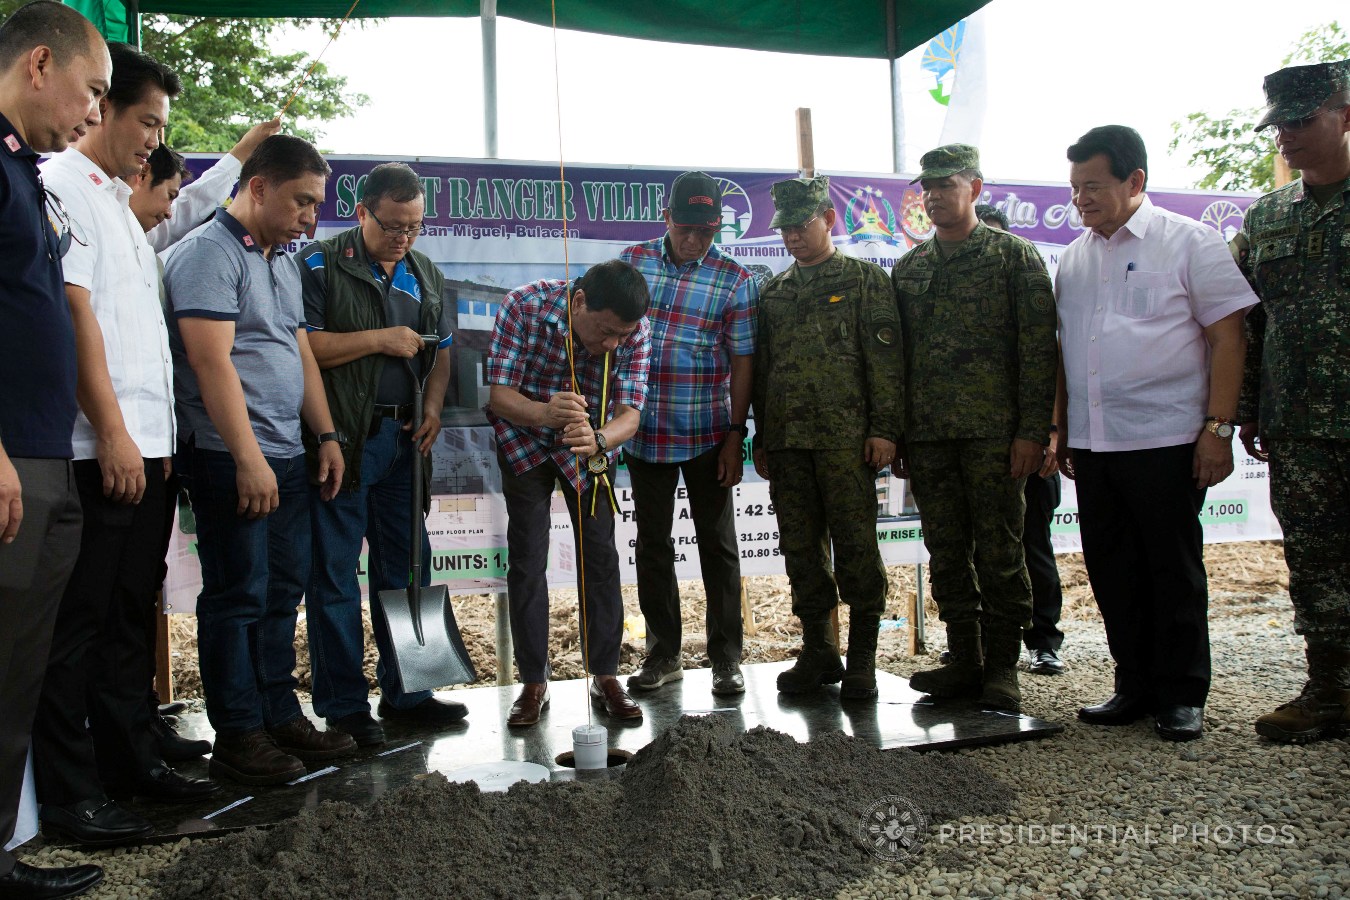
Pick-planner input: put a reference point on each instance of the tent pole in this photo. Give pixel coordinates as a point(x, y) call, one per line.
point(488, 14)
point(897, 101)
point(134, 23)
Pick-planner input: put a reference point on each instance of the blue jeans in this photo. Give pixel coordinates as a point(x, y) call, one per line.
point(253, 576)
point(378, 511)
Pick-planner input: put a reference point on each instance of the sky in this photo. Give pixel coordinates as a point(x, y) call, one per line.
point(1055, 69)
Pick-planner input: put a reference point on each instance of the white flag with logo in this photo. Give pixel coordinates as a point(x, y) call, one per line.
point(942, 87)
point(965, 109)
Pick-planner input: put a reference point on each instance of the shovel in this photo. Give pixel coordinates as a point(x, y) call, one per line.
point(428, 650)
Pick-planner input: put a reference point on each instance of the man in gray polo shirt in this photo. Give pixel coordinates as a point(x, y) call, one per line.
point(244, 377)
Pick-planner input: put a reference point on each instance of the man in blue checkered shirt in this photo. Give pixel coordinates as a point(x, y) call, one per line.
point(550, 432)
point(702, 317)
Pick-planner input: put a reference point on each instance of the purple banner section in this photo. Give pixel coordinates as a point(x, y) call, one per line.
point(481, 199)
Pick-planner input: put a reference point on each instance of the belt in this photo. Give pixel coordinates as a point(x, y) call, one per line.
point(402, 412)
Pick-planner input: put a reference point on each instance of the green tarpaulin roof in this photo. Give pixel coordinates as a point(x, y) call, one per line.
point(841, 28)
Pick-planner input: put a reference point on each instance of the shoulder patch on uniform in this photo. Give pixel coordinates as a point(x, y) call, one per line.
point(885, 335)
point(1041, 303)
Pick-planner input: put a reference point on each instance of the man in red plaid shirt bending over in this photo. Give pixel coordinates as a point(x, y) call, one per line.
point(552, 430)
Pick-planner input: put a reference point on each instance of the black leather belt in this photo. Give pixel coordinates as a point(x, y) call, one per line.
point(402, 412)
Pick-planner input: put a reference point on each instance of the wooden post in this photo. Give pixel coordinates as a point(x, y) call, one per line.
point(163, 655)
point(911, 613)
point(806, 153)
point(748, 626)
point(505, 656)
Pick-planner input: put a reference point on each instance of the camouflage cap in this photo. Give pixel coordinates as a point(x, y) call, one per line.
point(948, 160)
point(797, 199)
point(1295, 92)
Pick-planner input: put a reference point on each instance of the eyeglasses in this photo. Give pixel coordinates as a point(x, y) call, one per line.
point(796, 229)
point(63, 229)
point(702, 232)
point(1300, 124)
point(408, 233)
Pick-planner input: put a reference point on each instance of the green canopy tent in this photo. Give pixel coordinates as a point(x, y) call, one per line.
point(876, 29)
point(869, 29)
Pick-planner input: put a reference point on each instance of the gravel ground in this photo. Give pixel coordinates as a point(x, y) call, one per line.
point(1104, 812)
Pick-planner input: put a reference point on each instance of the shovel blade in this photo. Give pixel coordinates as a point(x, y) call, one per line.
point(438, 658)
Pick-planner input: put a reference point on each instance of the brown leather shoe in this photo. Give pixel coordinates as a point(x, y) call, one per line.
point(532, 701)
point(252, 758)
point(607, 694)
point(300, 738)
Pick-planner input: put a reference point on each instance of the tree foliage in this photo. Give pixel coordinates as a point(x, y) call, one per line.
point(232, 79)
point(1236, 157)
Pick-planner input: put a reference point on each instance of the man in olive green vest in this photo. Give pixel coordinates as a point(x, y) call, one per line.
point(368, 298)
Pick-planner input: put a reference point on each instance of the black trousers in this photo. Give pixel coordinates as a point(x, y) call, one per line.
point(1047, 596)
point(1143, 547)
point(100, 648)
point(529, 500)
point(713, 510)
point(33, 575)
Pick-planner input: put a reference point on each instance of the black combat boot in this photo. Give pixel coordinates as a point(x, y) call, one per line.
point(860, 679)
point(1002, 649)
point(819, 662)
point(963, 674)
point(1322, 709)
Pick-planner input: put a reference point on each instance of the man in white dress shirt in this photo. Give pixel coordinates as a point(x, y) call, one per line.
point(1150, 323)
point(123, 442)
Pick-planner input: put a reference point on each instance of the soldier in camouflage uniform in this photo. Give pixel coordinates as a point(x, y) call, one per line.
point(827, 389)
point(977, 312)
point(1295, 247)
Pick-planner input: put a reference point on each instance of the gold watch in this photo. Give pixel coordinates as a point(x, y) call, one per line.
point(1219, 426)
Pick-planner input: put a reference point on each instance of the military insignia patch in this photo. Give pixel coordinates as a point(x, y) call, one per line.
point(886, 335)
point(836, 298)
point(1040, 303)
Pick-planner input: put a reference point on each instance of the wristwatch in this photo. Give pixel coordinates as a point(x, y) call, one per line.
point(600, 442)
point(1219, 426)
point(742, 429)
point(337, 436)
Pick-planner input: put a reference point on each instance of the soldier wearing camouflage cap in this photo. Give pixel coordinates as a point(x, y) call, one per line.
point(978, 317)
point(827, 393)
point(1295, 248)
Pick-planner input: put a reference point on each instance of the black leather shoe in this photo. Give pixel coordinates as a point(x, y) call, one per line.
point(1045, 662)
point(163, 783)
point(1179, 723)
point(1120, 709)
point(26, 882)
point(429, 712)
point(361, 726)
point(727, 679)
point(95, 823)
point(172, 746)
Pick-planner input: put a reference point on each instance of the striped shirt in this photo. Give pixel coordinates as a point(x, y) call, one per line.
point(702, 313)
point(529, 353)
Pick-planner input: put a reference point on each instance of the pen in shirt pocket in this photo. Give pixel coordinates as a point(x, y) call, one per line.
point(1128, 269)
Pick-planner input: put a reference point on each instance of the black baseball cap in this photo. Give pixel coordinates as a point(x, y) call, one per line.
point(696, 199)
